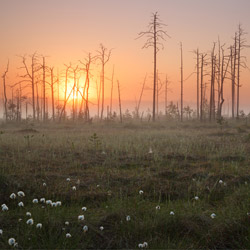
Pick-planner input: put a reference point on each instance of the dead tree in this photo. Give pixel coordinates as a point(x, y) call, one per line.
point(103, 55)
point(212, 89)
point(233, 72)
point(223, 76)
point(202, 86)
point(120, 104)
point(240, 63)
point(111, 95)
point(52, 82)
point(167, 83)
point(86, 69)
point(29, 76)
point(67, 75)
point(155, 34)
point(4, 92)
point(181, 83)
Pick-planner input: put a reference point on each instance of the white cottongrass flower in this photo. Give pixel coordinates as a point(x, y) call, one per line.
point(171, 213)
point(213, 215)
point(20, 204)
point(66, 223)
point(42, 200)
point(68, 235)
point(140, 245)
point(30, 222)
point(85, 228)
point(81, 217)
point(49, 202)
point(98, 185)
point(13, 196)
point(158, 207)
point(19, 220)
point(54, 204)
point(1, 231)
point(248, 214)
point(141, 192)
point(58, 203)
point(150, 151)
point(220, 181)
point(11, 241)
point(20, 194)
point(101, 228)
point(84, 209)
point(3, 205)
point(128, 218)
point(39, 225)
point(74, 188)
point(4, 208)
point(68, 179)
point(196, 198)
point(145, 244)
point(28, 214)
point(15, 244)
point(35, 201)
point(44, 184)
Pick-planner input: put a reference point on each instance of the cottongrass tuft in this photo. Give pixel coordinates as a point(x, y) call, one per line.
point(68, 235)
point(66, 223)
point(101, 228)
point(213, 215)
point(20, 204)
point(128, 218)
point(158, 207)
point(35, 201)
point(20, 194)
point(5, 208)
point(84, 209)
point(42, 200)
point(13, 196)
point(74, 188)
point(141, 192)
point(39, 225)
point(196, 198)
point(11, 241)
point(1, 231)
point(30, 222)
point(171, 213)
point(85, 228)
point(28, 214)
point(81, 217)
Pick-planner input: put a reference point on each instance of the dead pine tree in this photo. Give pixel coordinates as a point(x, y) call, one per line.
point(30, 76)
point(181, 83)
point(4, 91)
point(155, 34)
point(67, 76)
point(85, 95)
point(233, 72)
point(103, 55)
point(111, 94)
point(224, 71)
point(240, 63)
point(212, 89)
point(167, 83)
point(119, 96)
point(52, 82)
point(198, 82)
point(202, 86)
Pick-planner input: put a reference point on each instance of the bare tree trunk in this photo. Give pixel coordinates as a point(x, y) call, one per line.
point(211, 106)
point(181, 84)
point(155, 52)
point(44, 89)
point(111, 96)
point(238, 71)
point(157, 95)
point(198, 83)
point(4, 92)
point(166, 95)
point(52, 93)
point(219, 76)
point(201, 108)
point(120, 105)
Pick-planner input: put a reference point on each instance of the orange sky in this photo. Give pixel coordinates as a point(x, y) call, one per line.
point(66, 30)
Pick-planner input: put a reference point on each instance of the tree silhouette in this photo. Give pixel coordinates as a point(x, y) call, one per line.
point(155, 34)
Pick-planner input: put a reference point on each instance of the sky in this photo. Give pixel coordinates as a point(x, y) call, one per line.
point(65, 30)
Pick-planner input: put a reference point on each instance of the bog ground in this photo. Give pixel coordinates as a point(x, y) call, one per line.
point(162, 185)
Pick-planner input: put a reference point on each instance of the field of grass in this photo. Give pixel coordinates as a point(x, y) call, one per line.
point(156, 183)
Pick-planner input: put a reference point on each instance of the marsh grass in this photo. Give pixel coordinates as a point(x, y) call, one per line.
point(108, 164)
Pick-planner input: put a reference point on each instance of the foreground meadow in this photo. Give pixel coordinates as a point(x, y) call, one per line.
point(162, 185)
